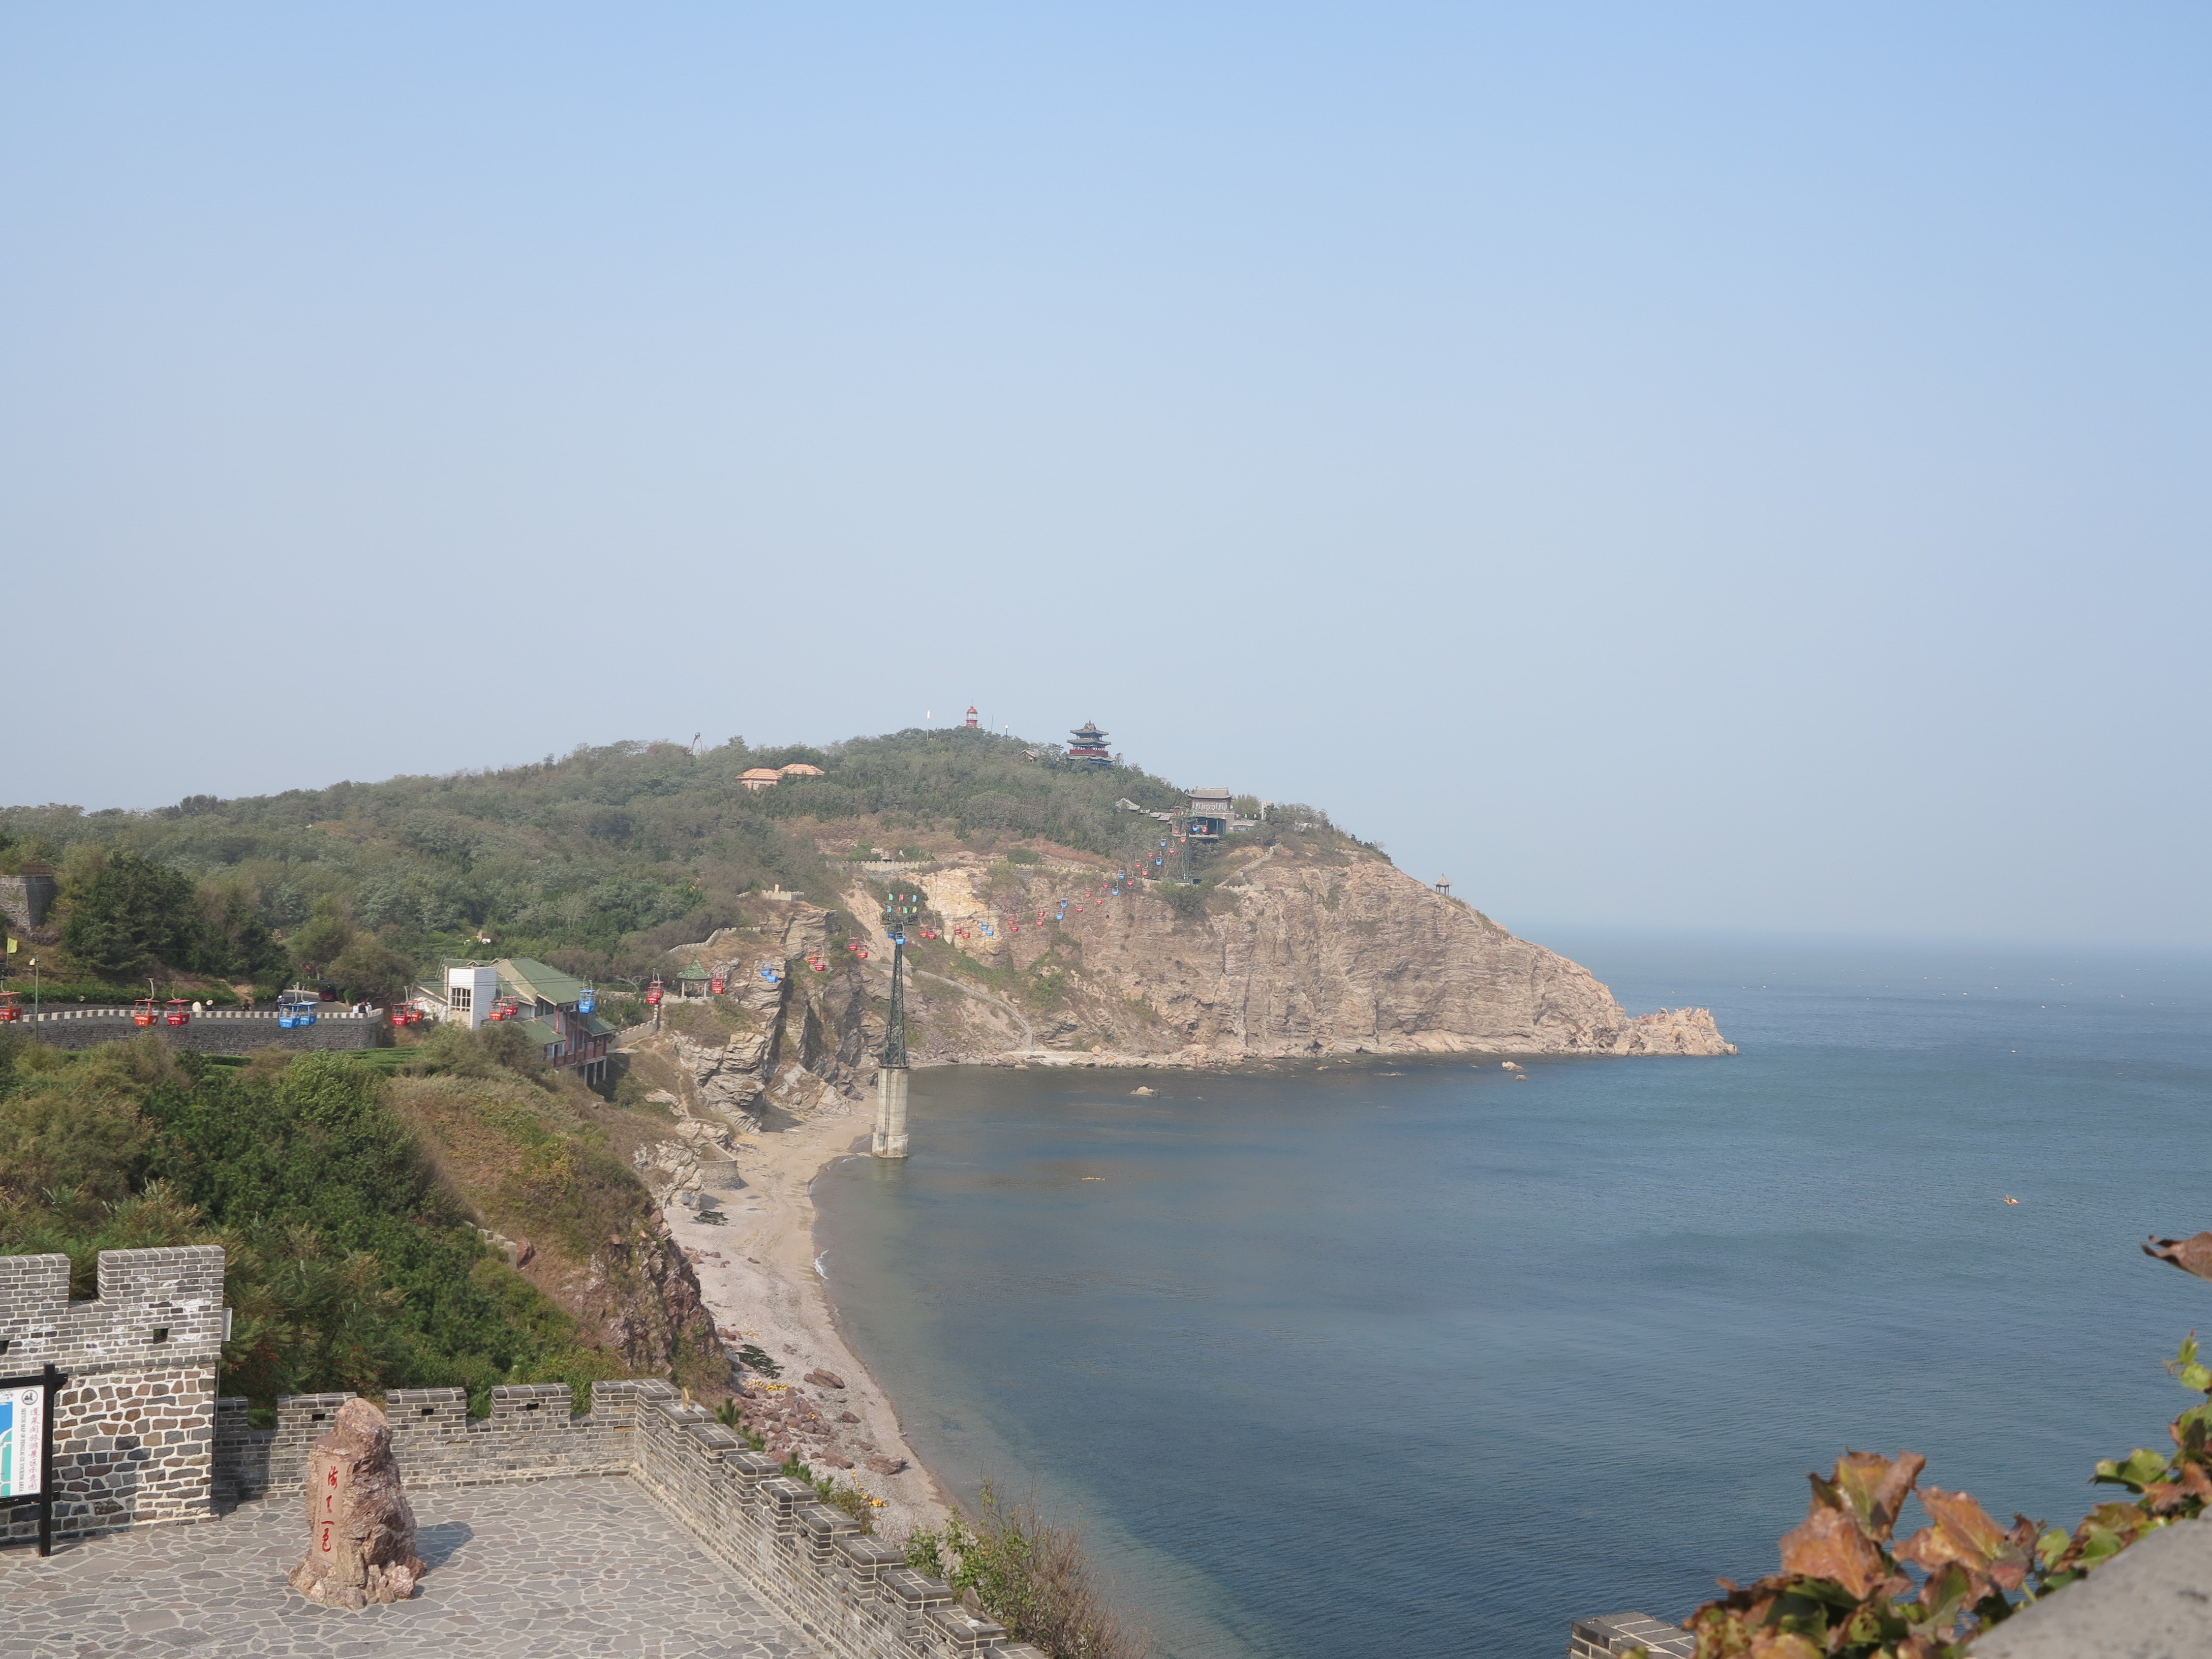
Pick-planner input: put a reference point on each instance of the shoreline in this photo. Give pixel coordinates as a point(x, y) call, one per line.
point(760, 1278)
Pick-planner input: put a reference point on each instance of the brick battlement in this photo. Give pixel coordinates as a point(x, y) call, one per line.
point(134, 1427)
point(140, 1439)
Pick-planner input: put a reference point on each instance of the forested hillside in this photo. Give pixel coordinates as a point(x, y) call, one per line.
point(355, 1209)
point(597, 862)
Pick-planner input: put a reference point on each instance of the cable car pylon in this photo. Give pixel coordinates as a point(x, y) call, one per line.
point(891, 1068)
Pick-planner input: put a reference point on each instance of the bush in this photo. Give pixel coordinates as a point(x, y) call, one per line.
point(1844, 1591)
point(1022, 855)
point(1185, 898)
point(1030, 1576)
point(347, 1267)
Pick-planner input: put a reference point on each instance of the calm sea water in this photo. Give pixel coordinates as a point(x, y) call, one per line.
point(1397, 1357)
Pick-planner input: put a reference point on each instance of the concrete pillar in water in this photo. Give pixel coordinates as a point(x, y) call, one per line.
point(891, 1112)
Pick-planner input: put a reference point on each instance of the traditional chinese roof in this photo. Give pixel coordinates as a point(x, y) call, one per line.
point(759, 775)
point(695, 971)
point(799, 769)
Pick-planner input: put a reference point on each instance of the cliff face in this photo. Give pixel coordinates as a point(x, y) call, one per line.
point(1294, 953)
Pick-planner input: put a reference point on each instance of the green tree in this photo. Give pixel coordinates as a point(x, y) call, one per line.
point(368, 967)
point(127, 913)
point(325, 934)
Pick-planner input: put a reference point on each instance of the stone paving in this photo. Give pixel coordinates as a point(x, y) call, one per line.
point(536, 1571)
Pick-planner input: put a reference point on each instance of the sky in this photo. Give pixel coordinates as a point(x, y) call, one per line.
point(1720, 467)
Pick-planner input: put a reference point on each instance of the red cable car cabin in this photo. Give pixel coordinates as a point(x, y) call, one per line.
point(145, 1011)
point(180, 1011)
point(653, 994)
point(11, 1007)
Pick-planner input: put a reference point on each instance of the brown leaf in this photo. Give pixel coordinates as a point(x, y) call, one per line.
point(2196, 1482)
point(1964, 1533)
point(1829, 1544)
point(1874, 1486)
point(1782, 1644)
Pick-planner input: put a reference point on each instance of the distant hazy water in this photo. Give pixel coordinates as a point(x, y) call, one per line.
point(1333, 1362)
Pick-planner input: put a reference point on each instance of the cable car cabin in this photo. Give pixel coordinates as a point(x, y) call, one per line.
point(717, 984)
point(11, 1007)
point(772, 972)
point(145, 1011)
point(291, 1016)
point(180, 1011)
point(653, 994)
point(505, 1008)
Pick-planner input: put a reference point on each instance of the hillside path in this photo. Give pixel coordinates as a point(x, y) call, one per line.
point(1029, 1035)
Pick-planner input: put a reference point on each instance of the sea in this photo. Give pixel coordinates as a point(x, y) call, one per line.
point(1389, 1355)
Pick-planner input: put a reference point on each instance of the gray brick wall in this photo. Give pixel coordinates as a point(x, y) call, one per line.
point(142, 1438)
point(134, 1427)
point(223, 1032)
point(1619, 1633)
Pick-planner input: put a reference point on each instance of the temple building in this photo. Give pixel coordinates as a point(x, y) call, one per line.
point(1089, 748)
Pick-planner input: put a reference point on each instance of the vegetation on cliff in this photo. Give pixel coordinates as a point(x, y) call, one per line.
point(597, 862)
point(351, 1226)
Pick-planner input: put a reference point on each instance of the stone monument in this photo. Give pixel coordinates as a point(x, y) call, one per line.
point(361, 1532)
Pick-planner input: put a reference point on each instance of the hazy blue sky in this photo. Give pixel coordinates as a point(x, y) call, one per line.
point(1738, 465)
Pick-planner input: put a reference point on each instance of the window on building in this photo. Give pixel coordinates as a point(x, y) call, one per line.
point(459, 998)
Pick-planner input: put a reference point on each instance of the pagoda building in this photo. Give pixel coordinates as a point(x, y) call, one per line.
point(1089, 748)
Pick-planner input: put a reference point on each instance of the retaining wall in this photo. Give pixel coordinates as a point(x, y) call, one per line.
point(216, 1031)
point(26, 899)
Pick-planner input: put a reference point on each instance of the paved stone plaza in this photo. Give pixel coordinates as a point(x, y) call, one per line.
point(526, 1571)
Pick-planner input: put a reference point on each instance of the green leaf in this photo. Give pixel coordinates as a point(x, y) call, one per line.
point(2142, 1466)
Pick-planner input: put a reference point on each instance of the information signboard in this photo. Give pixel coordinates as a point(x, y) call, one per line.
point(27, 1445)
point(23, 1439)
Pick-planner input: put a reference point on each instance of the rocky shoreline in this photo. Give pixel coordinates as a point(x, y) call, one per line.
point(756, 1267)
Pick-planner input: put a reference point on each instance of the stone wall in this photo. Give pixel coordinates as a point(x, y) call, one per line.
point(26, 899)
point(218, 1031)
point(853, 1595)
point(530, 1436)
point(140, 1439)
point(1621, 1633)
point(134, 1425)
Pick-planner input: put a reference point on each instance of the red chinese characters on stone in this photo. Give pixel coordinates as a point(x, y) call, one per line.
point(362, 1544)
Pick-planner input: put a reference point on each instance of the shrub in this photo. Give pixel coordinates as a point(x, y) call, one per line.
point(1022, 855)
point(1030, 1576)
point(1844, 1592)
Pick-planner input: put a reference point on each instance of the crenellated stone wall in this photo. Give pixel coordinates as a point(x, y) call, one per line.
point(134, 1425)
point(141, 1439)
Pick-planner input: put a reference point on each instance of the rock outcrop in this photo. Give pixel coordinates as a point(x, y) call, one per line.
point(1294, 952)
point(361, 1528)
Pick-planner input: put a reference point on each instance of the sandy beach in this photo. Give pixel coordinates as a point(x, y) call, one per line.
point(757, 1275)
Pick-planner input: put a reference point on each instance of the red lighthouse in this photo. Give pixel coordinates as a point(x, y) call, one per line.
point(971, 713)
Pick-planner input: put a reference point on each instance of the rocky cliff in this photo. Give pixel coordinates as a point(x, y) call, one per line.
point(1290, 951)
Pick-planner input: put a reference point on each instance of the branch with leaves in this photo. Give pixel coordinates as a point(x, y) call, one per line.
point(1849, 1589)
